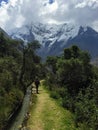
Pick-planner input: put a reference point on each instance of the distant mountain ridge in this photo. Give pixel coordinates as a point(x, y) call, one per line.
point(54, 38)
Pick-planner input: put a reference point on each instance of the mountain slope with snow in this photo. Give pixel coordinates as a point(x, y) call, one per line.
point(43, 33)
point(54, 38)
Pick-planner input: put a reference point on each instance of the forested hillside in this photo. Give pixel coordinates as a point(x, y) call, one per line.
point(18, 67)
point(74, 82)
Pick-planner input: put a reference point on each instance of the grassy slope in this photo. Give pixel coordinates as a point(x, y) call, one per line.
point(46, 114)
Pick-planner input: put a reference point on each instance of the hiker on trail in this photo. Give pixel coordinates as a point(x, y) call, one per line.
point(37, 83)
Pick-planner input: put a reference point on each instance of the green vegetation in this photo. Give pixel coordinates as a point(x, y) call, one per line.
point(47, 114)
point(74, 81)
point(18, 67)
point(71, 79)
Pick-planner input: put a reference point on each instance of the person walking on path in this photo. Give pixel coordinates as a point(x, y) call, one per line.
point(37, 83)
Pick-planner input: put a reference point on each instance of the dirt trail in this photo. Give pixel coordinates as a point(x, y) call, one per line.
point(46, 114)
point(35, 122)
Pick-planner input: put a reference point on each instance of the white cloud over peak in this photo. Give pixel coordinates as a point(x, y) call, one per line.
point(16, 13)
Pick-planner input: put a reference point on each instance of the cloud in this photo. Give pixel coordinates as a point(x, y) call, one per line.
point(49, 9)
point(88, 3)
point(16, 13)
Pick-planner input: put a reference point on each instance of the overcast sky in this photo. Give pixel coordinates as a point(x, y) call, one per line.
point(15, 13)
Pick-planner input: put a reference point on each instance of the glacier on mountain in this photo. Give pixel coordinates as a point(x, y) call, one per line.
point(54, 38)
point(44, 33)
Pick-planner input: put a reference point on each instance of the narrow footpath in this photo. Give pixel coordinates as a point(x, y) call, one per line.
point(47, 114)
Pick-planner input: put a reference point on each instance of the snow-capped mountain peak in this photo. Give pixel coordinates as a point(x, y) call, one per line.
point(44, 33)
point(54, 38)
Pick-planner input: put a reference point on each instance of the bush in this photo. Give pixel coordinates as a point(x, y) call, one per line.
point(62, 91)
point(86, 111)
point(68, 103)
point(15, 97)
point(54, 94)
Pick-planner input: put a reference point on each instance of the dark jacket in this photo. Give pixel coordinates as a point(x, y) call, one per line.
point(37, 82)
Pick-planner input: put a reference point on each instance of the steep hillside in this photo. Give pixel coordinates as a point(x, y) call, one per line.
point(87, 39)
point(5, 34)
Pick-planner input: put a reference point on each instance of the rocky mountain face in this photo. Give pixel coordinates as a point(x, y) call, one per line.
point(54, 38)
